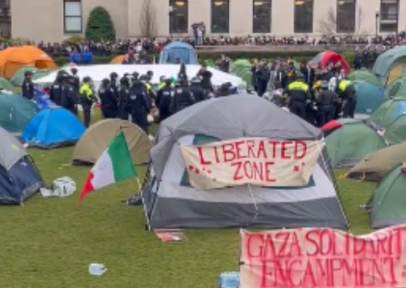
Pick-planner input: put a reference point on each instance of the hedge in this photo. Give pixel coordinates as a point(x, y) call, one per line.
point(296, 55)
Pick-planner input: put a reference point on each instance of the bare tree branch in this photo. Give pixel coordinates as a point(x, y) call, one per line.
point(328, 25)
point(148, 19)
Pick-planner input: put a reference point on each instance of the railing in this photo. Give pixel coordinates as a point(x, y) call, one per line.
point(279, 48)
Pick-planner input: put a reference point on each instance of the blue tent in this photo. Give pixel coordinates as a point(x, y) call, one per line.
point(19, 179)
point(178, 52)
point(369, 97)
point(52, 128)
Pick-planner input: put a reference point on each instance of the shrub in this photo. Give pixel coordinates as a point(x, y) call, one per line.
point(100, 26)
point(74, 39)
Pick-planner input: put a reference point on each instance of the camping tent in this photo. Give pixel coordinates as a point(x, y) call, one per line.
point(396, 89)
point(15, 112)
point(96, 139)
point(396, 132)
point(387, 203)
point(352, 142)
point(390, 65)
point(19, 179)
point(324, 58)
point(5, 84)
point(118, 59)
point(333, 125)
point(171, 202)
point(375, 165)
point(52, 128)
point(369, 97)
point(14, 58)
point(18, 77)
point(365, 75)
point(242, 68)
point(178, 52)
point(388, 112)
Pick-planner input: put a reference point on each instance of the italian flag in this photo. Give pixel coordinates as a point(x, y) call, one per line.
point(114, 165)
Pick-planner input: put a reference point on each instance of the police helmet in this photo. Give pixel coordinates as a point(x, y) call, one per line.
point(106, 81)
point(86, 79)
point(113, 75)
point(150, 73)
point(74, 70)
point(124, 80)
point(136, 75)
point(168, 82)
point(144, 78)
point(162, 79)
point(28, 73)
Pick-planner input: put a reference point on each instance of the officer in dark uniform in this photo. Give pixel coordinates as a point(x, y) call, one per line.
point(69, 97)
point(113, 84)
point(76, 82)
point(138, 105)
point(223, 91)
point(27, 87)
point(298, 93)
point(325, 104)
point(124, 94)
point(182, 97)
point(55, 91)
point(197, 90)
point(86, 100)
point(108, 99)
point(346, 92)
point(163, 100)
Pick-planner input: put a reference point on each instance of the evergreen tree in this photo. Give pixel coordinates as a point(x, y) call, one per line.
point(100, 26)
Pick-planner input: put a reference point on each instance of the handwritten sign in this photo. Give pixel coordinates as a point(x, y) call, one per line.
point(258, 161)
point(323, 258)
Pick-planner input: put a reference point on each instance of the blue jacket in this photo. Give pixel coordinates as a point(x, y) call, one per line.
point(87, 57)
point(74, 57)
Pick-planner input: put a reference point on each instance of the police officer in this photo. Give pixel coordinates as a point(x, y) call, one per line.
point(86, 100)
point(69, 97)
point(197, 90)
point(76, 82)
point(325, 104)
point(113, 84)
point(108, 99)
point(182, 97)
point(27, 87)
point(223, 91)
point(298, 93)
point(55, 92)
point(138, 105)
point(163, 100)
point(124, 94)
point(346, 92)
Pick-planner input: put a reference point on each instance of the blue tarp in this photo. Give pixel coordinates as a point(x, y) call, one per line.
point(52, 128)
point(178, 52)
point(42, 101)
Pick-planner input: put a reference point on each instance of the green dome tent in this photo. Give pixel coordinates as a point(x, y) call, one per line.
point(396, 89)
point(369, 97)
point(390, 65)
point(387, 204)
point(388, 112)
point(15, 112)
point(18, 77)
point(5, 84)
point(352, 142)
point(365, 75)
point(242, 68)
point(396, 132)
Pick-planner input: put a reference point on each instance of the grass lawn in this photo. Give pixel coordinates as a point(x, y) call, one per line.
point(49, 243)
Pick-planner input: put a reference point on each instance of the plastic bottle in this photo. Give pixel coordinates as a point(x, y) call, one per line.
point(97, 269)
point(229, 280)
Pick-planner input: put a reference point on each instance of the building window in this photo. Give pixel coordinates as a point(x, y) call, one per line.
point(220, 16)
point(261, 16)
point(389, 16)
point(346, 18)
point(178, 16)
point(72, 12)
point(303, 21)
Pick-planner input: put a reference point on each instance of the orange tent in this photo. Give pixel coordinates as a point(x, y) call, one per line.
point(118, 59)
point(14, 58)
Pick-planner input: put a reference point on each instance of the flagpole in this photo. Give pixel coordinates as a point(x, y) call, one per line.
point(142, 199)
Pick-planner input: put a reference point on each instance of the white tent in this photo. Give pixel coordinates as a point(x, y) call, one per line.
point(99, 72)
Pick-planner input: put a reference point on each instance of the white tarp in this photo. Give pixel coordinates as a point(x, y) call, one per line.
point(99, 72)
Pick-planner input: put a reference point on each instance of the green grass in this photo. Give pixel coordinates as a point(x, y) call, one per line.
point(49, 242)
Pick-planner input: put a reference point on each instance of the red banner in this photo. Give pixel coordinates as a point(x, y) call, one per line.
point(323, 258)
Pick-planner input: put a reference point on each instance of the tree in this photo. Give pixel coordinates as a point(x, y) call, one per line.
point(148, 19)
point(328, 25)
point(100, 26)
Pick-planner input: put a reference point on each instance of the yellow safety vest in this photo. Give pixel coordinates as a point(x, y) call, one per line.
point(86, 91)
point(149, 87)
point(343, 85)
point(161, 85)
point(297, 85)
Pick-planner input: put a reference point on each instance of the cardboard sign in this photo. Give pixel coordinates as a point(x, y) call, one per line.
point(257, 161)
point(323, 258)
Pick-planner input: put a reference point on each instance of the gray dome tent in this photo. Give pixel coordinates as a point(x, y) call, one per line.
point(19, 179)
point(171, 202)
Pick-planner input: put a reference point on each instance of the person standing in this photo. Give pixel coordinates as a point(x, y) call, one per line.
point(87, 99)
point(27, 87)
point(138, 105)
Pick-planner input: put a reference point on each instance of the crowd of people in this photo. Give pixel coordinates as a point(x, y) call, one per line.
point(198, 38)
